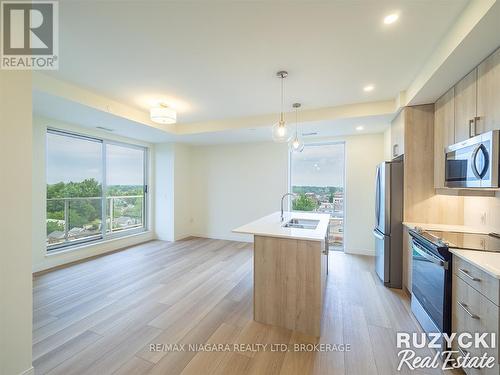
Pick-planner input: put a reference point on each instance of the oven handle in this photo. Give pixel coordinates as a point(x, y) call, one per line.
point(429, 257)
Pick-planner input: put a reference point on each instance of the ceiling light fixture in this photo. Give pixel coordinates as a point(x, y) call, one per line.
point(391, 18)
point(280, 131)
point(296, 144)
point(359, 128)
point(368, 88)
point(162, 114)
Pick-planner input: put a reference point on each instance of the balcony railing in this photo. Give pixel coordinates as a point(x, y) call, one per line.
point(75, 219)
point(336, 232)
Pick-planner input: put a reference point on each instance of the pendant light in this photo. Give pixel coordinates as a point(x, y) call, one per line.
point(280, 131)
point(296, 144)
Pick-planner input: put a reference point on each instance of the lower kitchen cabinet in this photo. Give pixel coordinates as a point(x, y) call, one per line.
point(473, 310)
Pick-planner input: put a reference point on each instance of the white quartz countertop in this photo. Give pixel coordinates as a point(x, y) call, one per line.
point(272, 226)
point(446, 227)
point(488, 261)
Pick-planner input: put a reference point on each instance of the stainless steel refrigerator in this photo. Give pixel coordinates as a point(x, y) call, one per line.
point(388, 231)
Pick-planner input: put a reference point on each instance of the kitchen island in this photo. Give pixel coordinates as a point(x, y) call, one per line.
point(290, 269)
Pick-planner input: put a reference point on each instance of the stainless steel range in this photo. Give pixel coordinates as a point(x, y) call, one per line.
point(432, 273)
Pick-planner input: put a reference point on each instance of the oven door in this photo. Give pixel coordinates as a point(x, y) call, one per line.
point(429, 283)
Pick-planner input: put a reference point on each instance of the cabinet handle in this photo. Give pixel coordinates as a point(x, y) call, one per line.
point(471, 314)
point(472, 133)
point(466, 273)
point(395, 150)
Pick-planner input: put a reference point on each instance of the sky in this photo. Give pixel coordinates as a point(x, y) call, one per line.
point(319, 165)
point(75, 159)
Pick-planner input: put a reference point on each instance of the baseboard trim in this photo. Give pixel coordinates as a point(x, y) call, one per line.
point(30, 371)
point(360, 252)
point(236, 238)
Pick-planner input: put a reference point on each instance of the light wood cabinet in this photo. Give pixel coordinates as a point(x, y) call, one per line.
point(444, 133)
point(418, 163)
point(465, 106)
point(289, 282)
point(397, 135)
point(473, 312)
point(488, 94)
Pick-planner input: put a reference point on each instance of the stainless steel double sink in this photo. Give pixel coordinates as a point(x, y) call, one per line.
point(301, 223)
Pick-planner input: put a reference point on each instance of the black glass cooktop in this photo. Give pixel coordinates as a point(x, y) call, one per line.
point(472, 241)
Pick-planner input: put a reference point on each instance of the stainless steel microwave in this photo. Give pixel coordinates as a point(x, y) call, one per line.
point(473, 163)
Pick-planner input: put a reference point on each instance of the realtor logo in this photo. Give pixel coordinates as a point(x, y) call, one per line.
point(29, 35)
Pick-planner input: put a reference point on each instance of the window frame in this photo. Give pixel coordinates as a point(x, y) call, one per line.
point(104, 236)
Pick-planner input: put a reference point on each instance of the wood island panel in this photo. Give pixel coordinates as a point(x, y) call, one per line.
point(288, 285)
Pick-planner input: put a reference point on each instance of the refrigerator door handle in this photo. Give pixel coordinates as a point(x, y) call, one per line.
point(378, 235)
point(377, 198)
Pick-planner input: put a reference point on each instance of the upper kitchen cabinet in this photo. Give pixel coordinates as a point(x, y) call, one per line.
point(476, 100)
point(488, 94)
point(444, 133)
point(397, 135)
point(465, 106)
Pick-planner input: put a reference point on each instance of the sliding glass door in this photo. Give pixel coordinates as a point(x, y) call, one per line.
point(317, 179)
point(95, 189)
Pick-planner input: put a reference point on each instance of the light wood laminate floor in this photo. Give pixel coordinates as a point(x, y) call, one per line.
point(101, 316)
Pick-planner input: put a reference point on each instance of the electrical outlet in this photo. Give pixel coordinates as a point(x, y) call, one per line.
point(483, 218)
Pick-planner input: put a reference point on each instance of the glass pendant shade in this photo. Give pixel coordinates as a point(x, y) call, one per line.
point(296, 144)
point(281, 133)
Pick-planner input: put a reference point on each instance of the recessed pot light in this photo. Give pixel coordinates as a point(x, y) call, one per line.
point(359, 128)
point(368, 88)
point(391, 18)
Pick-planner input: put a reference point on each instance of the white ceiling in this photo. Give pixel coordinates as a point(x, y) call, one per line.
point(215, 60)
point(63, 110)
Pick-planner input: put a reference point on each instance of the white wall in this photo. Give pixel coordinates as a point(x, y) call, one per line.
point(42, 260)
point(173, 191)
point(164, 191)
point(363, 153)
point(15, 224)
point(183, 218)
point(235, 184)
point(387, 144)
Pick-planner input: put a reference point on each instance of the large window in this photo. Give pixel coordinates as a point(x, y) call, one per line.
point(317, 179)
point(96, 189)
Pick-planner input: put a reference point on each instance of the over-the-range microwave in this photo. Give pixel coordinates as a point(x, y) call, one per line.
point(473, 163)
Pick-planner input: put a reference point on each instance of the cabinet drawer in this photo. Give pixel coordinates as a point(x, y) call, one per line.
point(472, 312)
point(486, 284)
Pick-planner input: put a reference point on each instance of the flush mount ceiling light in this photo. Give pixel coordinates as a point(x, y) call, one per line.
point(296, 144)
point(391, 18)
point(368, 88)
point(162, 114)
point(280, 131)
point(359, 128)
